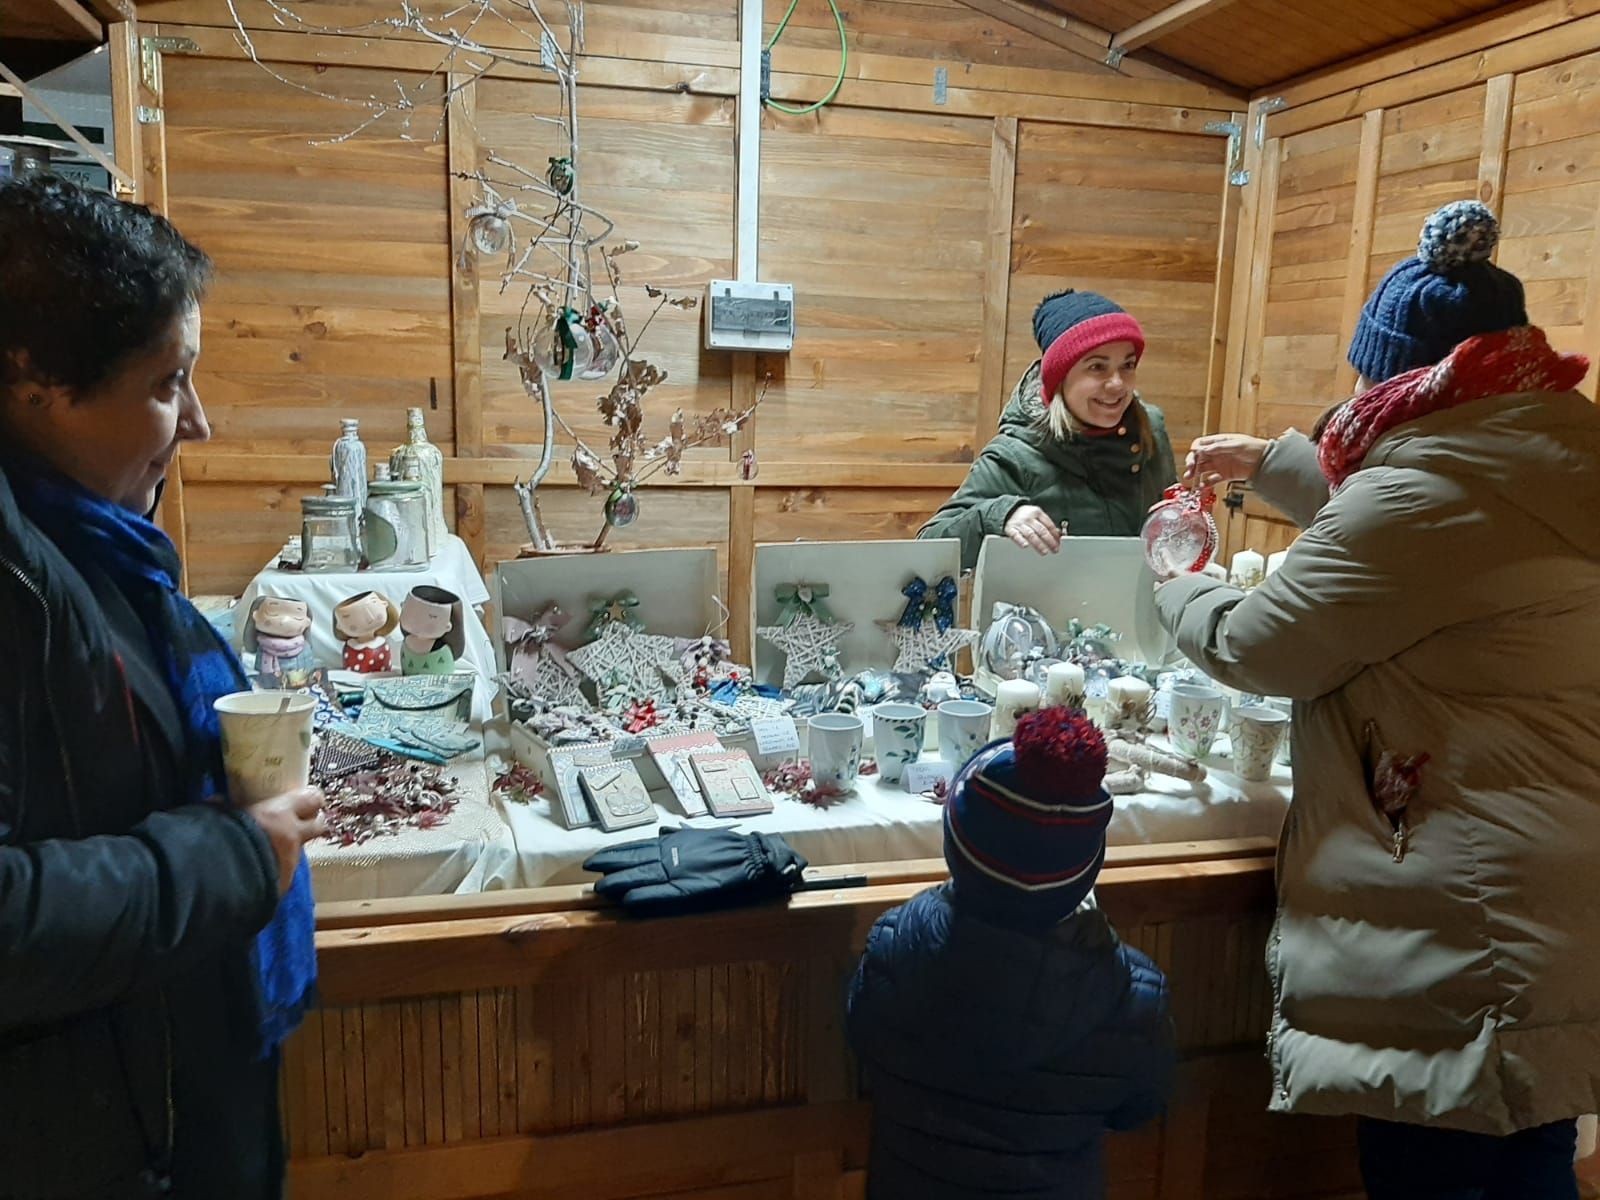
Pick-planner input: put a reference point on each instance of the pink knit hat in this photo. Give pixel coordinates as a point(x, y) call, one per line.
point(1079, 339)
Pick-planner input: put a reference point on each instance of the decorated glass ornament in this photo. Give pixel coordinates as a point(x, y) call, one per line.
point(562, 348)
point(622, 507)
point(748, 467)
point(560, 176)
point(1017, 638)
point(489, 226)
point(1180, 534)
point(605, 352)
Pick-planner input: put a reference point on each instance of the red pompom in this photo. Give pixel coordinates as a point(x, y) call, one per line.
point(1061, 750)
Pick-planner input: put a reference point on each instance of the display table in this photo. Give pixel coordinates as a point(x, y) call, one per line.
point(471, 851)
point(882, 823)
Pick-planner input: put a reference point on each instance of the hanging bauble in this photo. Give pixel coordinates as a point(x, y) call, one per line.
point(604, 351)
point(622, 508)
point(562, 348)
point(1180, 534)
point(748, 467)
point(1017, 638)
point(490, 226)
point(612, 312)
point(560, 176)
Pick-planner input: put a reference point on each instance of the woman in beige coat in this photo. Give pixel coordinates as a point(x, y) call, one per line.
point(1436, 956)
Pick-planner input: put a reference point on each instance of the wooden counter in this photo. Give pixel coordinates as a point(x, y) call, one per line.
point(536, 1044)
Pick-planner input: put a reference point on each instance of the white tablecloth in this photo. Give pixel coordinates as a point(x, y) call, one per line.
point(472, 851)
point(880, 823)
point(452, 569)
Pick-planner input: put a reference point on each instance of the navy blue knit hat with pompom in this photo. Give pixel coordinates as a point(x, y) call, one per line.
point(1025, 824)
point(1060, 311)
point(1429, 304)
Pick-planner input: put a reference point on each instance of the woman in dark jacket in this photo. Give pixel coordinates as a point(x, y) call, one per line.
point(1077, 450)
point(140, 1012)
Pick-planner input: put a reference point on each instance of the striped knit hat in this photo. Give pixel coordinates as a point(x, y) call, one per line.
point(1025, 824)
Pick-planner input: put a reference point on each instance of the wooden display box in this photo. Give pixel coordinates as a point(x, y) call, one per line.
point(864, 581)
point(1091, 579)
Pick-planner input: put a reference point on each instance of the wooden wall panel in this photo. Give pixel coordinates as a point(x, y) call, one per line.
point(661, 167)
point(1429, 157)
point(843, 513)
point(331, 296)
point(234, 529)
point(1300, 355)
point(1136, 216)
point(1550, 236)
point(879, 220)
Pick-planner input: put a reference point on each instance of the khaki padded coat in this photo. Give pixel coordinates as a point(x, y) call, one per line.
point(1449, 592)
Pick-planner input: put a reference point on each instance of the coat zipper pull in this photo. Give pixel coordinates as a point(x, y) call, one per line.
point(1400, 832)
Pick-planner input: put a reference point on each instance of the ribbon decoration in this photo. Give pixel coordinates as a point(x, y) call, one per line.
point(803, 600)
point(566, 341)
point(941, 606)
point(523, 638)
point(619, 608)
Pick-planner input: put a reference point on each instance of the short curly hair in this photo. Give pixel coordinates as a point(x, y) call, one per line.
point(86, 281)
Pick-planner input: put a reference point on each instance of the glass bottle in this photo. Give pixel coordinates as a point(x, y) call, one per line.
point(329, 537)
point(396, 528)
point(429, 461)
point(349, 462)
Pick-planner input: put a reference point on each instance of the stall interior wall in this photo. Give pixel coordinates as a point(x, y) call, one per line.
point(1346, 175)
point(918, 231)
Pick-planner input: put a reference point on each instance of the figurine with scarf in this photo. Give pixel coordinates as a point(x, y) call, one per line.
point(276, 634)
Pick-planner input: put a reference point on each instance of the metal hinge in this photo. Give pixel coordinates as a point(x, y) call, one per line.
point(1237, 175)
point(1114, 56)
point(150, 51)
point(1263, 110)
point(148, 116)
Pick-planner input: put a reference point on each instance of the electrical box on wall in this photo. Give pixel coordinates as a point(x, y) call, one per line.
point(749, 316)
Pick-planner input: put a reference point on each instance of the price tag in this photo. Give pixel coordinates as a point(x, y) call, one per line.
point(923, 775)
point(775, 735)
point(1097, 687)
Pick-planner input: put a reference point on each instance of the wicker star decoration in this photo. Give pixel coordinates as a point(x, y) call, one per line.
point(642, 662)
point(810, 646)
point(921, 649)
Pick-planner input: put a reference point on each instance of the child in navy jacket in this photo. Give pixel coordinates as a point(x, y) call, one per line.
point(1002, 1027)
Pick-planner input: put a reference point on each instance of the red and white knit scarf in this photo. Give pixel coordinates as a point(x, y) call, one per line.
point(1495, 364)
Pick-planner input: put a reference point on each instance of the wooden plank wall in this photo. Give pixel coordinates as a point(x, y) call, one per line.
point(1357, 160)
point(919, 236)
point(543, 1052)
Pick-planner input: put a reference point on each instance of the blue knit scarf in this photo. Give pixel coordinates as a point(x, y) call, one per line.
point(199, 667)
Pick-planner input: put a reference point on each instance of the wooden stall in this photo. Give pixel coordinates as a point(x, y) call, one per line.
point(1238, 174)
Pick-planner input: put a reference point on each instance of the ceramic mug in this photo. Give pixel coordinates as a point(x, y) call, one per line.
point(897, 731)
point(834, 743)
point(1194, 717)
point(1256, 732)
point(963, 730)
point(1286, 707)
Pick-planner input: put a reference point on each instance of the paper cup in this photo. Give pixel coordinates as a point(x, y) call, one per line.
point(1194, 717)
point(963, 730)
point(1256, 732)
point(835, 748)
point(266, 743)
point(897, 731)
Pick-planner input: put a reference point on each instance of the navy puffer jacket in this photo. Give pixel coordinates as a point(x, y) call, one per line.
point(998, 1059)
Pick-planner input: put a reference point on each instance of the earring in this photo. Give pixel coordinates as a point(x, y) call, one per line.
point(36, 399)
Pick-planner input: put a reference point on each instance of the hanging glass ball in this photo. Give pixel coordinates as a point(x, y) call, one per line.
point(1179, 535)
point(560, 176)
point(604, 351)
point(1017, 636)
point(562, 348)
point(622, 508)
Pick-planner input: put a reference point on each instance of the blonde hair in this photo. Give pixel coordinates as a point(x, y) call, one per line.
point(1060, 424)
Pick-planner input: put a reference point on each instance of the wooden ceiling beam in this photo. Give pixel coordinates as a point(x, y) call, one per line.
point(112, 11)
point(1092, 42)
point(51, 20)
point(1169, 20)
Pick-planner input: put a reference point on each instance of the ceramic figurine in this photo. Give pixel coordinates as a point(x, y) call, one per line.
point(349, 463)
point(430, 618)
point(364, 623)
point(275, 632)
point(429, 461)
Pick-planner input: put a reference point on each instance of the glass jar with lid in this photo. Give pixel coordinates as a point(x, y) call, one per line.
point(330, 538)
point(395, 533)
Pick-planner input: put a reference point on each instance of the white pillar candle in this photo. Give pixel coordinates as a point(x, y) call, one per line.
point(1127, 690)
point(1063, 684)
point(1274, 561)
point(1248, 569)
point(1013, 700)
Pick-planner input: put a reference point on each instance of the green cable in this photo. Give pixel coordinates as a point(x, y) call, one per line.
point(844, 60)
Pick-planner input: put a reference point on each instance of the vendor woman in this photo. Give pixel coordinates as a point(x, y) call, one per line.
point(1077, 449)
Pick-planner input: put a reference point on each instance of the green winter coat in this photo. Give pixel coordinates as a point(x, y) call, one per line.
point(1098, 486)
point(1448, 594)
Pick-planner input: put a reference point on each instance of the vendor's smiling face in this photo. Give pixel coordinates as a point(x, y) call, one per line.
point(1099, 387)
